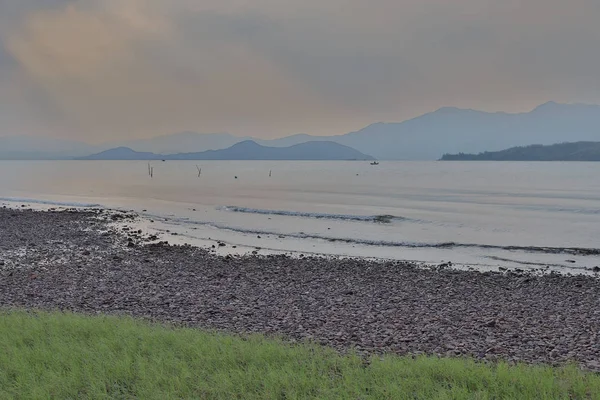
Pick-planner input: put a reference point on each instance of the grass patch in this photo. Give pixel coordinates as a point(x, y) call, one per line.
point(69, 356)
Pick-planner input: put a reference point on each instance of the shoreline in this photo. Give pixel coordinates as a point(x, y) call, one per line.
point(79, 260)
point(216, 239)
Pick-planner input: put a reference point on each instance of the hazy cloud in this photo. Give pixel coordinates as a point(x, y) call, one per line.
point(102, 69)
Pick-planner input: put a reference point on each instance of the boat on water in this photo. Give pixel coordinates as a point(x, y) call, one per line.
point(374, 163)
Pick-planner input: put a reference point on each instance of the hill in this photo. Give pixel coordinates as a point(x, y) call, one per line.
point(246, 150)
point(181, 142)
point(452, 130)
point(122, 153)
point(197, 142)
point(577, 151)
point(445, 131)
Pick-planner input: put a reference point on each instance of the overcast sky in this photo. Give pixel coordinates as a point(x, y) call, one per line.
point(99, 70)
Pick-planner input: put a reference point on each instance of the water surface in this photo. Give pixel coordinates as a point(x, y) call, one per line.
point(486, 214)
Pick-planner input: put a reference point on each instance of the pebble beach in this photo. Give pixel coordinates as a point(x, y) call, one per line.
point(89, 261)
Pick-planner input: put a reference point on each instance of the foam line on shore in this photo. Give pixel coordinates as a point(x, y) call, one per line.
point(50, 202)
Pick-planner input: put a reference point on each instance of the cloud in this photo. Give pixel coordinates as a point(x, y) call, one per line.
point(123, 70)
point(103, 69)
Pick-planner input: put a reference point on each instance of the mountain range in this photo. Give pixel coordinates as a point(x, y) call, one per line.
point(427, 137)
point(246, 150)
point(577, 151)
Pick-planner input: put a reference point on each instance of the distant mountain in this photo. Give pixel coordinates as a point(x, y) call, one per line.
point(246, 150)
point(186, 141)
point(250, 150)
point(181, 142)
point(447, 130)
point(122, 153)
point(577, 151)
point(451, 130)
point(292, 140)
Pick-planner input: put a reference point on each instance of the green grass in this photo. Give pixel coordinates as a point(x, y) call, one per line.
point(66, 356)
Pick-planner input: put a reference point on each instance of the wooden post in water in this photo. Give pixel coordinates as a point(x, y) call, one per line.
point(199, 171)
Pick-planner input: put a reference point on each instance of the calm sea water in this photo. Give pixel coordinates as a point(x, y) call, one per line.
point(485, 214)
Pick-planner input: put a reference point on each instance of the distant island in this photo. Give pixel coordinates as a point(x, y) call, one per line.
point(246, 150)
point(575, 151)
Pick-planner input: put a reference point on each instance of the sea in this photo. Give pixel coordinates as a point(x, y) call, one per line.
point(482, 215)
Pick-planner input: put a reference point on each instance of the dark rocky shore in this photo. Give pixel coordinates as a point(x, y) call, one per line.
point(73, 260)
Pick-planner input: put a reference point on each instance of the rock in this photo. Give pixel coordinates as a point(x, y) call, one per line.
point(490, 323)
point(593, 365)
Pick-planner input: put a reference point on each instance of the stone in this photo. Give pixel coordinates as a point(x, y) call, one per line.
point(491, 323)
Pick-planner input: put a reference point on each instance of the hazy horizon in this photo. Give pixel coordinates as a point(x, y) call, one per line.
point(108, 70)
point(250, 137)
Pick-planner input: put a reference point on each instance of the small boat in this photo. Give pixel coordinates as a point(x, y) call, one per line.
point(374, 163)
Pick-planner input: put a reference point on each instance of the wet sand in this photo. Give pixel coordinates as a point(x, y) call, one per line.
point(78, 260)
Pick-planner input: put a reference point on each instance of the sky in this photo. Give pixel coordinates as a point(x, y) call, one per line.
point(101, 70)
